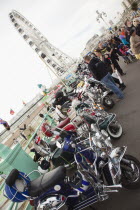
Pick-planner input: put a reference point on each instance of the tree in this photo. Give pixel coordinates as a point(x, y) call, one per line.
point(134, 6)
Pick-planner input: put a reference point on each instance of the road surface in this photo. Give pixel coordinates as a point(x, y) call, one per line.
point(128, 113)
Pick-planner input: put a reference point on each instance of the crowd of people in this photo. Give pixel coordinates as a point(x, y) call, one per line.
point(103, 63)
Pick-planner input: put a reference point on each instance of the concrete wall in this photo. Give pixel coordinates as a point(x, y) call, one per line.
point(27, 121)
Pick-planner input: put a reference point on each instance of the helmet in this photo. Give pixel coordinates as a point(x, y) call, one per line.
point(44, 166)
point(46, 130)
point(59, 94)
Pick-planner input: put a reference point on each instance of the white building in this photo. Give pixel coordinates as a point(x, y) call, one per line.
point(90, 45)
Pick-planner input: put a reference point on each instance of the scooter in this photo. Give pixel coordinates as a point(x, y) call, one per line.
point(100, 93)
point(105, 121)
point(100, 169)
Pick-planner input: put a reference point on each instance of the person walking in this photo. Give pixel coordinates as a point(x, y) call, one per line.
point(100, 72)
point(113, 51)
point(135, 43)
point(122, 36)
point(5, 124)
point(110, 67)
point(23, 136)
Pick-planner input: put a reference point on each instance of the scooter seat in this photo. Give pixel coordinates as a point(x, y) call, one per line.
point(63, 123)
point(46, 181)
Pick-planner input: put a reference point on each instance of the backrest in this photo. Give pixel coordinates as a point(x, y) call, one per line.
point(12, 177)
point(20, 185)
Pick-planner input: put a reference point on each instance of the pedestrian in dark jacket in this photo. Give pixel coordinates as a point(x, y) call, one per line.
point(110, 67)
point(115, 58)
point(100, 72)
point(60, 99)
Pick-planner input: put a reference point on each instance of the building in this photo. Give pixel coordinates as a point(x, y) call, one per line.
point(103, 30)
point(127, 3)
point(27, 116)
point(90, 45)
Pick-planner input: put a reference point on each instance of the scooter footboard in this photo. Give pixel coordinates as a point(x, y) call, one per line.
point(87, 202)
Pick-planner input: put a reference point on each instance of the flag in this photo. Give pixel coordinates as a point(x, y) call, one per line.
point(12, 112)
point(23, 103)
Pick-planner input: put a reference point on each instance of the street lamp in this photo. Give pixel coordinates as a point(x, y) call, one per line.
point(101, 15)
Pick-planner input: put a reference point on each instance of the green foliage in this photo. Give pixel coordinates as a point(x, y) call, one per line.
point(134, 6)
point(29, 136)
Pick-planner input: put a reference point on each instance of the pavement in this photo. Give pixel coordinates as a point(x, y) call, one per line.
point(128, 114)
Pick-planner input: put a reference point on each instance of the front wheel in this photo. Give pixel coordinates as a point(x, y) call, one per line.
point(108, 102)
point(130, 168)
point(115, 130)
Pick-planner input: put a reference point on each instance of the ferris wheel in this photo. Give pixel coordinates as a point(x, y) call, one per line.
point(57, 61)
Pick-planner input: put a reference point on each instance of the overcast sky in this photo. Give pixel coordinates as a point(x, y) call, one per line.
point(67, 24)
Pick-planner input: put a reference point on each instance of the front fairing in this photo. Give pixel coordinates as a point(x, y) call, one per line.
point(68, 143)
point(81, 151)
point(106, 122)
point(115, 158)
point(87, 155)
point(65, 190)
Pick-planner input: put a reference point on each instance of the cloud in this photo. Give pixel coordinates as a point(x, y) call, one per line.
point(67, 24)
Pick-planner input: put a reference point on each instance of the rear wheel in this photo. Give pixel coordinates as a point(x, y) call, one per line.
point(108, 102)
point(130, 167)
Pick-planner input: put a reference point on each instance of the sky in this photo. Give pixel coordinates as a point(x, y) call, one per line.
point(67, 24)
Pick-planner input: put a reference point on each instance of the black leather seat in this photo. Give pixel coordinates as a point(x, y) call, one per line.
point(46, 181)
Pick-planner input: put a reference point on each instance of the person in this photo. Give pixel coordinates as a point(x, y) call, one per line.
point(5, 124)
point(135, 43)
point(122, 36)
point(23, 136)
point(109, 65)
point(136, 23)
point(24, 128)
point(117, 41)
point(129, 25)
point(100, 72)
point(60, 99)
point(102, 47)
point(47, 117)
point(113, 51)
point(15, 141)
point(125, 52)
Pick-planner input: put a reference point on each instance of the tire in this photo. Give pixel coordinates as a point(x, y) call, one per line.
point(111, 130)
point(135, 184)
point(108, 102)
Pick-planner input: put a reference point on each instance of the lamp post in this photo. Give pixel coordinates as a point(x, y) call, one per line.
point(101, 15)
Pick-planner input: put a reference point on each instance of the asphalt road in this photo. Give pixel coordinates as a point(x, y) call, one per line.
point(128, 114)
